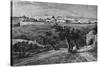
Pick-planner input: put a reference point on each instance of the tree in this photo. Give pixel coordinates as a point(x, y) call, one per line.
point(63, 33)
point(71, 36)
point(22, 49)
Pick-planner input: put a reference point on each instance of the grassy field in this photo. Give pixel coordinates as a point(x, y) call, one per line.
point(30, 30)
point(35, 30)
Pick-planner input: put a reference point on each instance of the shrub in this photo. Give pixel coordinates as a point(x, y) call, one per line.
point(23, 49)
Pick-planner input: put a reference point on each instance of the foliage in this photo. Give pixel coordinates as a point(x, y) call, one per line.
point(23, 49)
point(73, 36)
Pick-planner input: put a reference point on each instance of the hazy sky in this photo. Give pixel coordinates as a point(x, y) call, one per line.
point(29, 8)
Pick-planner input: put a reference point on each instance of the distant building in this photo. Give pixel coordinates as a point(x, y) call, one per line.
point(61, 21)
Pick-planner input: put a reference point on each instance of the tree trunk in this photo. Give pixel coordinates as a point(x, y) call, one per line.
point(67, 43)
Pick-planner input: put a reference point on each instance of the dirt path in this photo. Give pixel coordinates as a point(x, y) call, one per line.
point(60, 56)
point(42, 56)
point(88, 56)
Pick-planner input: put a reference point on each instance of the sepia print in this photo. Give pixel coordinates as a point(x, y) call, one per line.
point(52, 33)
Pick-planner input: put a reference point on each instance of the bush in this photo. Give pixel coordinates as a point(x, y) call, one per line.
point(23, 49)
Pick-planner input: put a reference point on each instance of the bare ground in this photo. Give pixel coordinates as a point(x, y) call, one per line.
point(59, 56)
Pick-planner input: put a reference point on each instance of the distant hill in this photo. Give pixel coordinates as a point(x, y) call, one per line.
point(31, 9)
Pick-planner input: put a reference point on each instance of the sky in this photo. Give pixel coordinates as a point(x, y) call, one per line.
point(31, 9)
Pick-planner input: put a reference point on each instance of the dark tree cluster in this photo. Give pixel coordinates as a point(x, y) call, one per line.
point(73, 37)
point(24, 49)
